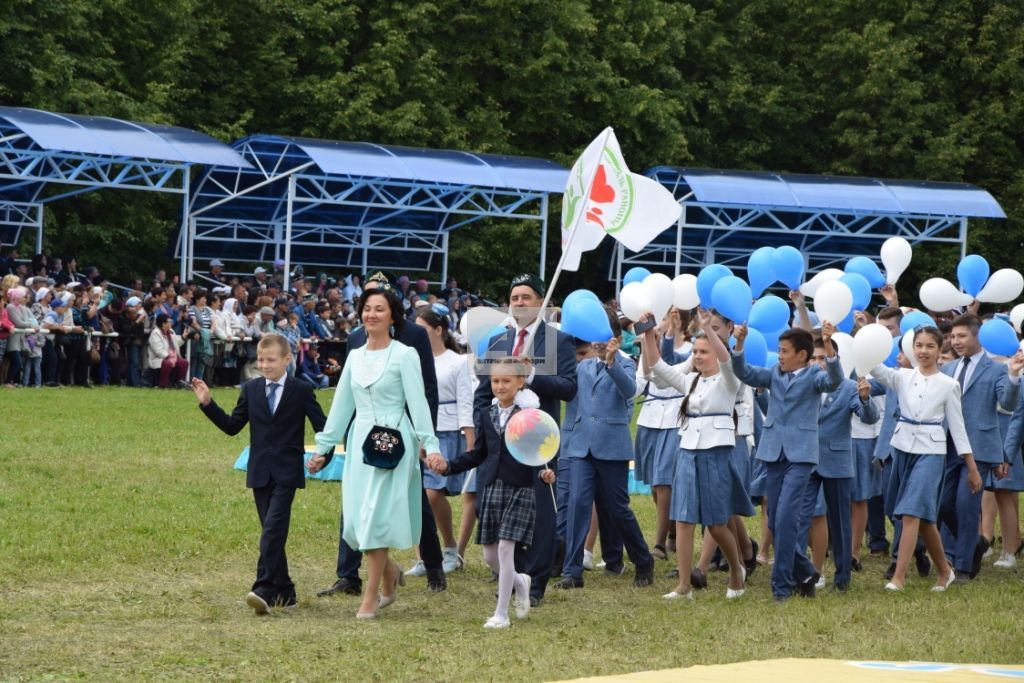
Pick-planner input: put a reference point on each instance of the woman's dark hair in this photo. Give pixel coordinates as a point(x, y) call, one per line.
point(932, 332)
point(200, 293)
point(161, 319)
point(613, 321)
point(397, 316)
point(434, 319)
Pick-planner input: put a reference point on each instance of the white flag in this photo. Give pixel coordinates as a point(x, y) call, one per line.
point(606, 199)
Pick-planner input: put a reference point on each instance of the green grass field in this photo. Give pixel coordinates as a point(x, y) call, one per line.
point(127, 544)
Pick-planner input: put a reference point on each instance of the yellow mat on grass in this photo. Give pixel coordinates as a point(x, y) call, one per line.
point(819, 670)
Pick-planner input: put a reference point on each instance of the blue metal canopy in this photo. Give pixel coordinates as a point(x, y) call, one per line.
point(355, 206)
point(448, 167)
point(42, 150)
point(837, 193)
point(114, 137)
point(728, 214)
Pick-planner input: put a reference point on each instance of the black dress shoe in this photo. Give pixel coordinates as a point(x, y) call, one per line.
point(614, 569)
point(287, 601)
point(979, 551)
point(807, 588)
point(644, 578)
point(890, 572)
point(535, 600)
point(751, 564)
point(346, 586)
point(855, 565)
point(436, 582)
point(924, 565)
point(569, 582)
point(698, 579)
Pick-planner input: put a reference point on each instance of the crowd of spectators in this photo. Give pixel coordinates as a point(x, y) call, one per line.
point(61, 326)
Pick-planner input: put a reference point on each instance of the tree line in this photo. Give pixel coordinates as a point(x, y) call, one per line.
point(924, 89)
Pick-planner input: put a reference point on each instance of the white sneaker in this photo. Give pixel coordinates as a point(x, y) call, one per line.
point(522, 600)
point(821, 583)
point(451, 560)
point(1005, 561)
point(494, 622)
point(588, 560)
point(418, 569)
point(989, 553)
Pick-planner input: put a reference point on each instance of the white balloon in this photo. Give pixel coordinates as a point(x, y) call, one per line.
point(907, 347)
point(635, 301)
point(662, 293)
point(938, 294)
point(833, 302)
point(1017, 316)
point(844, 347)
point(896, 255)
point(871, 347)
point(685, 291)
point(810, 288)
point(1004, 285)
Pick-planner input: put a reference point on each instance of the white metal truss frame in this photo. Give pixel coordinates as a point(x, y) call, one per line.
point(348, 218)
point(28, 171)
point(709, 232)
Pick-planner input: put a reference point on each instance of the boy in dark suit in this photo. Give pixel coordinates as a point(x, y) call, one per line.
point(276, 407)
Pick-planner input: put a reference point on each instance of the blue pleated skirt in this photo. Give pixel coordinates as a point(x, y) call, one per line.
point(1015, 481)
point(758, 477)
point(741, 460)
point(452, 444)
point(656, 452)
point(707, 488)
point(820, 508)
point(915, 485)
point(867, 479)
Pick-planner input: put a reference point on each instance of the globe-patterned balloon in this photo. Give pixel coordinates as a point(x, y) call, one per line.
point(532, 437)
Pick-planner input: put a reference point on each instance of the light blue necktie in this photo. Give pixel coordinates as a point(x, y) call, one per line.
point(271, 392)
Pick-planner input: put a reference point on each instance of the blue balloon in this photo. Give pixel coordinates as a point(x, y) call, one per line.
point(862, 265)
point(893, 360)
point(706, 280)
point(586, 319)
point(773, 359)
point(754, 348)
point(769, 313)
point(860, 288)
point(788, 264)
point(637, 274)
point(731, 297)
point(485, 341)
point(997, 337)
point(578, 295)
point(846, 325)
point(760, 271)
point(972, 273)
point(772, 338)
point(915, 319)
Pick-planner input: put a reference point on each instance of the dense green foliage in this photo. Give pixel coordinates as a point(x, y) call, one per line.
point(928, 89)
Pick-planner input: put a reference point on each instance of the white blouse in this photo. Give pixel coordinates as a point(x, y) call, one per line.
point(454, 392)
point(744, 402)
point(660, 406)
point(709, 422)
point(926, 402)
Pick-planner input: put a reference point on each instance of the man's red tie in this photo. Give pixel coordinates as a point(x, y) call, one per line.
point(519, 344)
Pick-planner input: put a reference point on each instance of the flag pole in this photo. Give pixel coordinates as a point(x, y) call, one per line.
point(528, 343)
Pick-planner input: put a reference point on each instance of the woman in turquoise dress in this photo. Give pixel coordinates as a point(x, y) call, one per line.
point(380, 507)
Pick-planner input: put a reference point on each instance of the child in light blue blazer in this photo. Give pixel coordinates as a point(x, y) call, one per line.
point(599, 452)
point(789, 443)
point(834, 474)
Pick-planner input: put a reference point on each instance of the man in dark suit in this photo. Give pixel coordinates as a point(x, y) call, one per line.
point(275, 407)
point(553, 380)
point(349, 559)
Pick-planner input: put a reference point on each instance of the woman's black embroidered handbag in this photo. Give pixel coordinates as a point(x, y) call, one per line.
point(383, 448)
